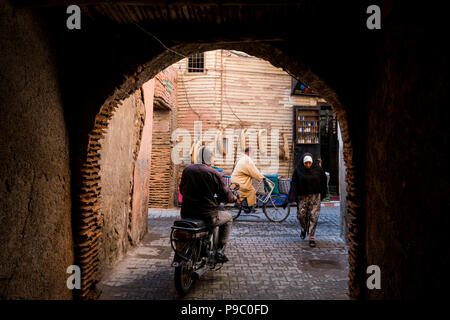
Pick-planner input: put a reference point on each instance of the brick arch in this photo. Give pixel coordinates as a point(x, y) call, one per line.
point(89, 226)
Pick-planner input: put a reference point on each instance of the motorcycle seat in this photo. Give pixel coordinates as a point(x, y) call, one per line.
point(190, 223)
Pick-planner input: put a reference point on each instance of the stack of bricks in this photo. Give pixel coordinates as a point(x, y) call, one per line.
point(89, 223)
point(355, 215)
point(162, 177)
point(89, 228)
point(161, 166)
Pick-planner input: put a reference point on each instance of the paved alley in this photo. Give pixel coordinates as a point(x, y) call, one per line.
point(267, 261)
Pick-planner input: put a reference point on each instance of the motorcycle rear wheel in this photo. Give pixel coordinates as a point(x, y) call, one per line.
point(184, 279)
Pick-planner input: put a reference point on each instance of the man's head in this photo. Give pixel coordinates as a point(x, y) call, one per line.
point(307, 161)
point(247, 151)
point(206, 155)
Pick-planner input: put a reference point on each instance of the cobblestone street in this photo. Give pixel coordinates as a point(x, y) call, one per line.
point(267, 261)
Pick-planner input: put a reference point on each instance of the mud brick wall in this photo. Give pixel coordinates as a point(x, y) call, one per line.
point(119, 150)
point(138, 219)
point(163, 172)
point(36, 244)
point(165, 88)
point(342, 187)
point(407, 173)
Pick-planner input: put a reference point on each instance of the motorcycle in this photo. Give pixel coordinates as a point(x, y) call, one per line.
point(195, 244)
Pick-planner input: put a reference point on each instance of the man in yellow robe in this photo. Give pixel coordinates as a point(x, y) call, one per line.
point(243, 173)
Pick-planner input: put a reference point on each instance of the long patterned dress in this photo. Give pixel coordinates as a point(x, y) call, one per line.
point(308, 210)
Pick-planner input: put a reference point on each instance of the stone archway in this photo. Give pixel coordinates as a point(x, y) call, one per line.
point(393, 83)
point(90, 223)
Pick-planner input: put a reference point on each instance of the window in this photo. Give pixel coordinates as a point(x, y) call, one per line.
point(196, 62)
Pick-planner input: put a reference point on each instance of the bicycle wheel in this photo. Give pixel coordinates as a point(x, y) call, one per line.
point(235, 210)
point(273, 209)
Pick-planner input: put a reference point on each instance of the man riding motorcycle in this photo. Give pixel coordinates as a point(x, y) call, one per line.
point(203, 189)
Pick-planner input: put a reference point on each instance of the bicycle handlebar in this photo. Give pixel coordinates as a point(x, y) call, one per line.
point(270, 182)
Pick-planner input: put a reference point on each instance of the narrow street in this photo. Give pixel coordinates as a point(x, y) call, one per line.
point(267, 261)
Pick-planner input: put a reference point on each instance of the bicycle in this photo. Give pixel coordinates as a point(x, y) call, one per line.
point(272, 205)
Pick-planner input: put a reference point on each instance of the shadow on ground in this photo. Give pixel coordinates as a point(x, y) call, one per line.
point(267, 261)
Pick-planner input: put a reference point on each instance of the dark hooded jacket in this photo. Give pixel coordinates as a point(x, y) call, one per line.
point(199, 186)
point(308, 181)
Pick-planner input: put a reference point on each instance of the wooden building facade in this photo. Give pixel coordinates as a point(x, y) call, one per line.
point(228, 100)
point(237, 96)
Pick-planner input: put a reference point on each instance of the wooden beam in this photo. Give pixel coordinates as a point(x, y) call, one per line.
point(239, 3)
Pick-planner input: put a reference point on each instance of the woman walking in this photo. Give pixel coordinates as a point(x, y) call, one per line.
point(308, 189)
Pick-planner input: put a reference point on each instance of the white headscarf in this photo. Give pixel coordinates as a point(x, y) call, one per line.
point(307, 159)
point(206, 155)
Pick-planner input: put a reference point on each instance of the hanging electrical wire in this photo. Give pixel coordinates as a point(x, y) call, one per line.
point(154, 37)
point(181, 55)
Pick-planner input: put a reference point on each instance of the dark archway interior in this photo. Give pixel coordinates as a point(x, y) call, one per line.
point(61, 86)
